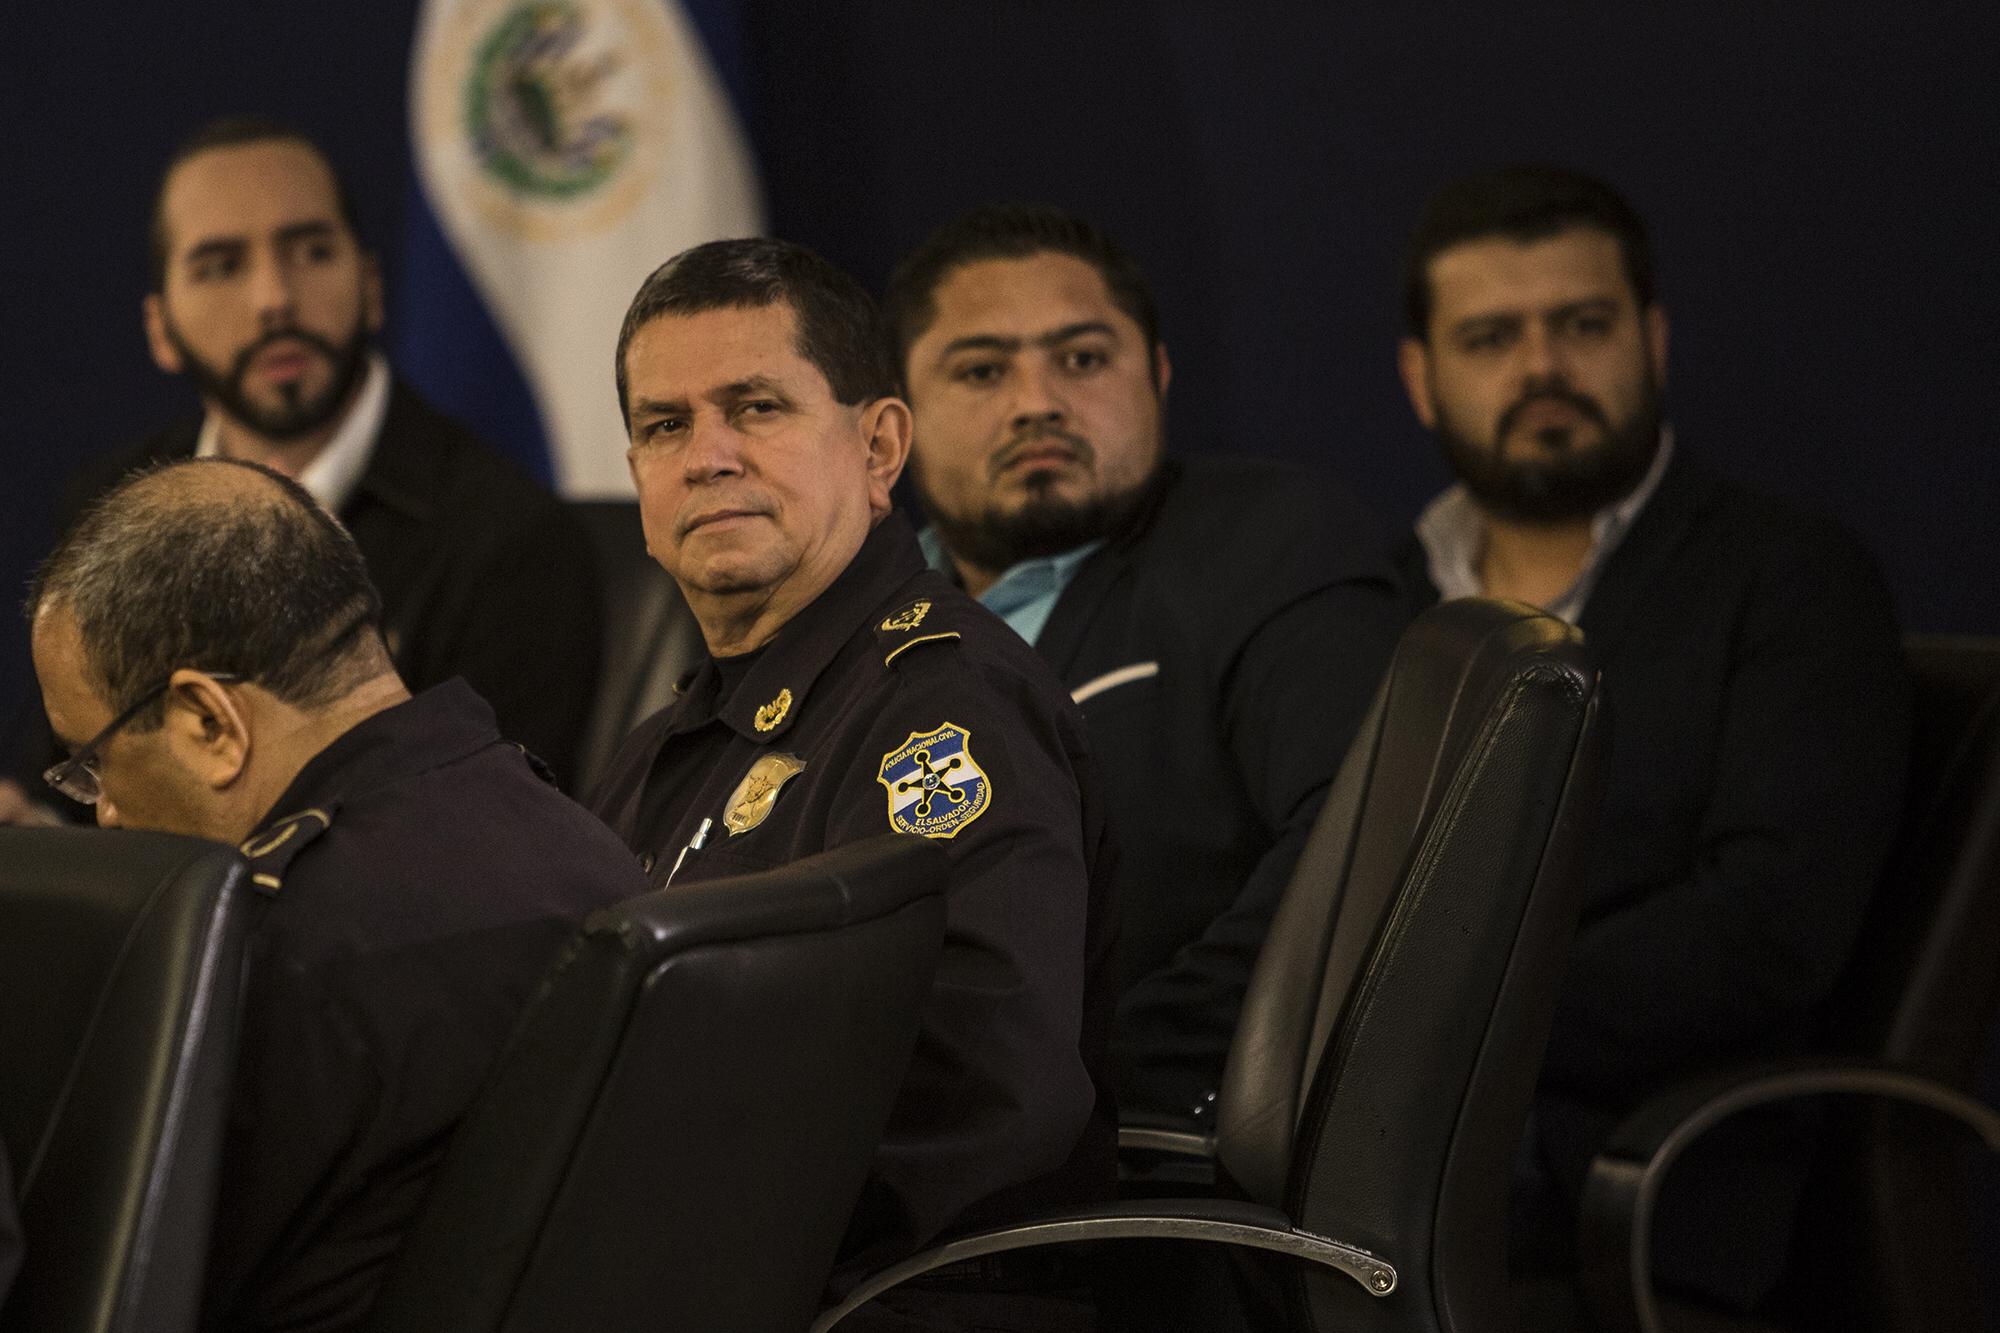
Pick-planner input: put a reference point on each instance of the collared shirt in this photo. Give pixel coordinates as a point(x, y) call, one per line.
point(893, 702)
point(1024, 595)
point(1453, 532)
point(336, 469)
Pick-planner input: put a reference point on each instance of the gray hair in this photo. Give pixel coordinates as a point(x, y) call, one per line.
point(195, 564)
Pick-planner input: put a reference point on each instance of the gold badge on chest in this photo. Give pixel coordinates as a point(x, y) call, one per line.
point(758, 792)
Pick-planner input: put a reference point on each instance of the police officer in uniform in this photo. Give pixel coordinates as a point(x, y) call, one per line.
point(209, 651)
point(850, 691)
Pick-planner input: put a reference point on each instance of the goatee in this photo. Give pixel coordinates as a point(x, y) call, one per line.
point(297, 414)
point(1045, 525)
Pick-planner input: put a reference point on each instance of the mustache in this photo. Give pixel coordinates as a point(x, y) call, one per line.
point(1551, 393)
point(1035, 436)
point(241, 368)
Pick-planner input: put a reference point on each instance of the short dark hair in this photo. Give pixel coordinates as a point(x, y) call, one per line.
point(1522, 203)
point(166, 571)
point(839, 329)
point(233, 132)
point(1011, 231)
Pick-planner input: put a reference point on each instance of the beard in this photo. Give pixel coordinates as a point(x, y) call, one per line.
point(297, 413)
point(1045, 524)
point(1571, 480)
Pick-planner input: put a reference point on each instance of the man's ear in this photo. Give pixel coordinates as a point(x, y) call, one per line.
point(207, 728)
point(1656, 340)
point(1163, 370)
point(371, 291)
point(1413, 363)
point(885, 425)
point(165, 355)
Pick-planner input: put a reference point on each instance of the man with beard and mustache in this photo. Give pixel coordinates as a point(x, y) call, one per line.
point(264, 298)
point(1760, 710)
point(1223, 622)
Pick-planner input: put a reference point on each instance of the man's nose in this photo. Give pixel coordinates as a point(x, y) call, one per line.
point(272, 290)
point(1541, 357)
point(1038, 399)
point(714, 449)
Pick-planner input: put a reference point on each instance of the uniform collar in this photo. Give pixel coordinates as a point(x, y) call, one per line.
point(770, 698)
point(443, 724)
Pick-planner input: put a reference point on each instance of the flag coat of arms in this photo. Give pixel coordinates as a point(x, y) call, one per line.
point(567, 148)
point(935, 787)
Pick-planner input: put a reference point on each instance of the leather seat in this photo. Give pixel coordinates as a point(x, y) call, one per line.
point(120, 955)
point(651, 639)
point(1885, 1242)
point(677, 1134)
point(1380, 1078)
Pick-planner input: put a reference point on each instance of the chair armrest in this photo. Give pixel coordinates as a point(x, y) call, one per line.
point(1219, 1221)
point(1615, 1225)
point(1178, 1142)
point(1166, 1162)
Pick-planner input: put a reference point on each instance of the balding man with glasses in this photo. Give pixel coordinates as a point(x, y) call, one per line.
point(210, 653)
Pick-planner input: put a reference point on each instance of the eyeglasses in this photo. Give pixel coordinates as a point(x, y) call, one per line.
point(76, 776)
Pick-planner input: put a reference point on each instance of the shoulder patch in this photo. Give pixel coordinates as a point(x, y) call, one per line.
point(270, 850)
point(935, 788)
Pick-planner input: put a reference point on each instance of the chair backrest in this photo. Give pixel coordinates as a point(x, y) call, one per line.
point(1922, 989)
point(680, 1128)
point(120, 969)
point(650, 637)
point(1379, 1084)
point(1891, 1227)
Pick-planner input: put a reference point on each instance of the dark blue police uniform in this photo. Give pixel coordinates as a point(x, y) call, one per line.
point(895, 702)
point(415, 881)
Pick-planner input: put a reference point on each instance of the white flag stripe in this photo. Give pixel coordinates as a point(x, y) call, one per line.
point(567, 149)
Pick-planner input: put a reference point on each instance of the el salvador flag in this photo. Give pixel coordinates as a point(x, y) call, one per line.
point(563, 149)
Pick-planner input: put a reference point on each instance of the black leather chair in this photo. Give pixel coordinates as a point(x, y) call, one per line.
point(677, 1134)
point(651, 639)
point(1884, 1243)
point(120, 961)
point(1378, 1086)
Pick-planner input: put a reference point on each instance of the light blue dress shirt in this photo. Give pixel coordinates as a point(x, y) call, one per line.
point(1024, 595)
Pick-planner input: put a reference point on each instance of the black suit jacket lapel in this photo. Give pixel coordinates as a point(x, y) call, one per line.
point(1062, 639)
point(1077, 609)
point(1650, 546)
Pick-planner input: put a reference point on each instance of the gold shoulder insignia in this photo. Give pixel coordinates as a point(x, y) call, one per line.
point(272, 848)
point(921, 621)
point(898, 650)
point(771, 714)
point(909, 617)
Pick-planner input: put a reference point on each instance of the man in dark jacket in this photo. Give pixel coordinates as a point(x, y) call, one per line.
point(264, 298)
point(1223, 622)
point(1759, 707)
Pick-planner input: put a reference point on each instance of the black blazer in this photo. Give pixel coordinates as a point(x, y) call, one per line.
point(483, 574)
point(1759, 717)
point(1256, 609)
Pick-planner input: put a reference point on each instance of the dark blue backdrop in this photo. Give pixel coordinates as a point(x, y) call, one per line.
point(1819, 180)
